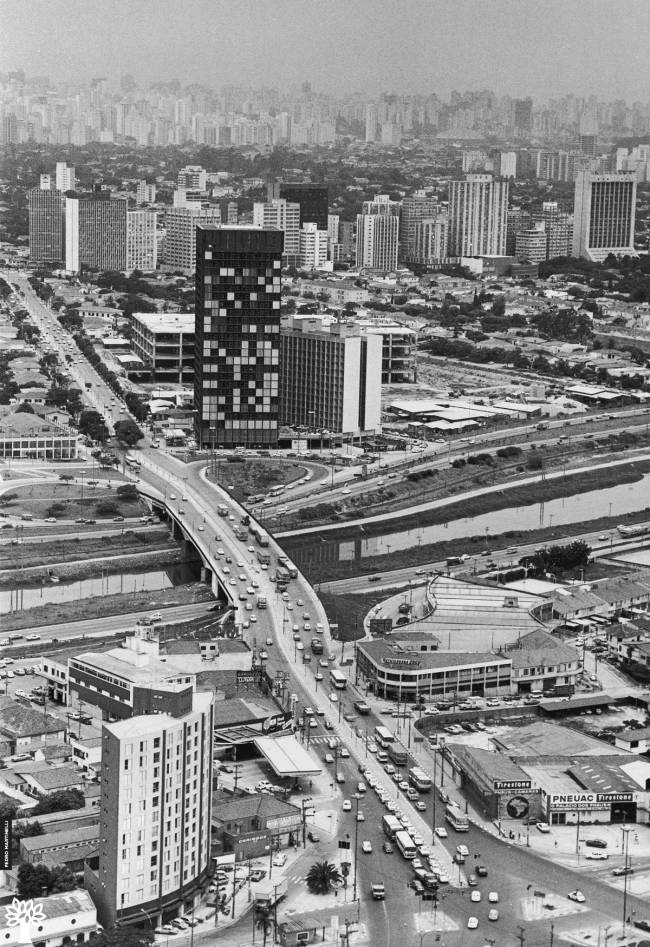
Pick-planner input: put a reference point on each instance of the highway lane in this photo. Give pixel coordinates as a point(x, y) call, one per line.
point(417, 575)
point(110, 624)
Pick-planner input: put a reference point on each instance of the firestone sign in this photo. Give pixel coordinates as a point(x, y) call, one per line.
point(569, 802)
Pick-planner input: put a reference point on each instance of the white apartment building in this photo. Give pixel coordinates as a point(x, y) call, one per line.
point(280, 214)
point(313, 247)
point(65, 177)
point(180, 238)
point(145, 193)
point(430, 240)
point(478, 215)
point(604, 213)
point(378, 234)
point(155, 813)
point(141, 240)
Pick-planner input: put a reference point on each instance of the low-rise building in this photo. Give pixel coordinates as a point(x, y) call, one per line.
point(165, 343)
point(633, 741)
point(27, 436)
point(25, 729)
point(66, 918)
point(540, 662)
point(252, 825)
point(64, 847)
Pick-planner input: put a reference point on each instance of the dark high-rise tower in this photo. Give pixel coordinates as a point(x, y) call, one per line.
point(313, 200)
point(237, 335)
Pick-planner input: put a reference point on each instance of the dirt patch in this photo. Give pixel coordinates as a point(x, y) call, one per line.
point(254, 477)
point(70, 501)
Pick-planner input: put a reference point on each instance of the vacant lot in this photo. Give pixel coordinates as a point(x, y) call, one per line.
point(255, 476)
point(70, 500)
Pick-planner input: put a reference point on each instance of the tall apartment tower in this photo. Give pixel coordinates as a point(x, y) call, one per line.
point(478, 215)
point(430, 241)
point(237, 336)
point(155, 810)
point(95, 232)
point(141, 240)
point(280, 214)
point(378, 234)
point(371, 122)
point(415, 207)
point(65, 179)
point(46, 225)
point(313, 247)
point(145, 193)
point(313, 200)
point(180, 234)
point(604, 212)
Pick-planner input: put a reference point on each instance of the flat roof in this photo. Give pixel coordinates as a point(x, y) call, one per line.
point(287, 756)
point(166, 321)
point(543, 739)
point(383, 652)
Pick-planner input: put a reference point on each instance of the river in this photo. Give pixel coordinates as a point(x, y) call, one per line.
point(612, 501)
point(118, 583)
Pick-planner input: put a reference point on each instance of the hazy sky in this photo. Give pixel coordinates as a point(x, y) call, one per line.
point(518, 47)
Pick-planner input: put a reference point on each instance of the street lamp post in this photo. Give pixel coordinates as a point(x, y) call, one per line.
point(356, 840)
point(626, 836)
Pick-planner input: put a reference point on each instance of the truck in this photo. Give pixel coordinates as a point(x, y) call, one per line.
point(222, 509)
point(241, 533)
point(378, 892)
point(362, 707)
point(316, 646)
point(269, 894)
point(263, 557)
point(261, 601)
point(245, 521)
point(282, 577)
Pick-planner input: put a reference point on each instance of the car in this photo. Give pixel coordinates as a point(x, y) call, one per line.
point(300, 646)
point(475, 896)
point(279, 859)
point(441, 831)
point(481, 871)
point(361, 787)
point(387, 848)
point(576, 896)
point(32, 637)
point(52, 519)
point(596, 843)
point(417, 864)
point(542, 827)
point(360, 816)
point(319, 676)
point(463, 850)
point(390, 769)
point(417, 886)
point(313, 723)
point(597, 856)
point(472, 923)
point(493, 914)
point(493, 897)
point(403, 785)
point(328, 758)
point(390, 806)
point(366, 847)
point(623, 870)
point(643, 925)
point(421, 806)
point(347, 805)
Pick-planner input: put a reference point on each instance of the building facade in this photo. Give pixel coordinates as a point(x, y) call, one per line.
point(46, 225)
point(237, 340)
point(430, 240)
point(330, 380)
point(414, 208)
point(378, 234)
point(165, 343)
point(313, 247)
point(478, 210)
point(65, 179)
point(280, 214)
point(532, 244)
point(141, 240)
point(312, 198)
point(155, 814)
point(95, 232)
point(604, 214)
point(180, 236)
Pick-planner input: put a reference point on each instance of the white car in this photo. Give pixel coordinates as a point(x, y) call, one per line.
point(279, 859)
point(463, 850)
point(472, 923)
point(366, 848)
point(334, 697)
point(542, 827)
point(441, 831)
point(493, 897)
point(329, 758)
point(475, 895)
point(493, 915)
point(576, 896)
point(360, 816)
point(347, 805)
point(597, 856)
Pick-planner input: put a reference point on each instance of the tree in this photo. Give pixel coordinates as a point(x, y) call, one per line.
point(24, 408)
point(91, 423)
point(59, 802)
point(107, 508)
point(128, 432)
point(322, 877)
point(55, 509)
point(264, 919)
point(127, 491)
point(32, 881)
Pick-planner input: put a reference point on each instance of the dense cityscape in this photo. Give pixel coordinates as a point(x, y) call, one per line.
point(324, 518)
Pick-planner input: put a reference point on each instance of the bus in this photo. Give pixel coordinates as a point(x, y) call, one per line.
point(397, 754)
point(281, 577)
point(338, 679)
point(405, 844)
point(316, 646)
point(456, 818)
point(419, 779)
point(222, 509)
point(259, 534)
point(383, 737)
point(391, 826)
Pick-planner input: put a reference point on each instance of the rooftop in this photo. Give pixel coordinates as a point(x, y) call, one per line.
point(383, 652)
point(51, 778)
point(17, 720)
point(166, 321)
point(56, 905)
point(541, 739)
point(225, 808)
point(79, 835)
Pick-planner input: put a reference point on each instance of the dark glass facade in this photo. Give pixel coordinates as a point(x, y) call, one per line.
point(313, 200)
point(237, 336)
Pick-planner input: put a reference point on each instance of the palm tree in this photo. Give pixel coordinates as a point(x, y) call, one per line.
point(322, 876)
point(263, 920)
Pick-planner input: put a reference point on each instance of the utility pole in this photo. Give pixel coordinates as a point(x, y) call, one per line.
point(551, 937)
point(356, 840)
point(578, 834)
point(520, 935)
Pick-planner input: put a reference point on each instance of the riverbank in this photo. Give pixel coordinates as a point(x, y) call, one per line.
point(78, 570)
point(31, 551)
point(106, 606)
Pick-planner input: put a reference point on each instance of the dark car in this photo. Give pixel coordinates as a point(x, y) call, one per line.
point(643, 925)
point(387, 848)
point(623, 871)
point(374, 578)
point(417, 886)
point(481, 871)
point(313, 837)
point(596, 843)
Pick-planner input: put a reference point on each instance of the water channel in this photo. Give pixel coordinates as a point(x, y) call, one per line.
point(115, 584)
point(611, 501)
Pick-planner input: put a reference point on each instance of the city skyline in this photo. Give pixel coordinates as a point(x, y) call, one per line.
point(544, 50)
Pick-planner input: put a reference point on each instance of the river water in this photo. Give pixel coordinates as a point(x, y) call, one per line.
point(612, 501)
point(122, 582)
